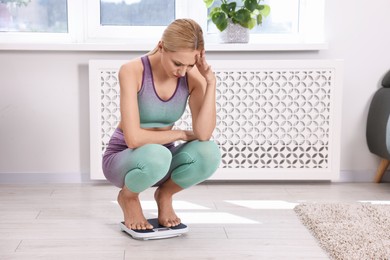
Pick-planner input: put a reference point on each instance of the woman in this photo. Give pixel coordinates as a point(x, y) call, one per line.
point(153, 95)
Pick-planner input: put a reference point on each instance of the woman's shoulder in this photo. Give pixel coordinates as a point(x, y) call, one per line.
point(132, 66)
point(130, 73)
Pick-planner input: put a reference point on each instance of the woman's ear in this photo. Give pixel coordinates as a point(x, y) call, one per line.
point(160, 46)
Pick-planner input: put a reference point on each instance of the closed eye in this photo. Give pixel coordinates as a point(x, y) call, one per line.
point(179, 64)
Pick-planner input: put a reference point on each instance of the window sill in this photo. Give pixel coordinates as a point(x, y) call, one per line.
point(266, 46)
point(144, 47)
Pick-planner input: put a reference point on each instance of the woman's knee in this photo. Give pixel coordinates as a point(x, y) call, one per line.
point(201, 160)
point(154, 156)
point(208, 153)
point(153, 162)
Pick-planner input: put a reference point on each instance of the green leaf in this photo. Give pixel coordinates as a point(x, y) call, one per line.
point(208, 3)
point(220, 20)
point(265, 10)
point(249, 15)
point(259, 19)
point(251, 23)
point(251, 5)
point(229, 8)
point(243, 16)
point(213, 11)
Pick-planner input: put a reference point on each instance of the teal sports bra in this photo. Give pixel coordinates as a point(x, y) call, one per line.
point(155, 112)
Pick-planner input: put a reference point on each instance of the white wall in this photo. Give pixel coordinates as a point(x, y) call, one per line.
point(44, 110)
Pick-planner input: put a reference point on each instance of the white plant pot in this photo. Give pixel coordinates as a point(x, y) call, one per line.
point(234, 33)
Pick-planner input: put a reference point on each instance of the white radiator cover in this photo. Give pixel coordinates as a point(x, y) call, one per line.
point(276, 119)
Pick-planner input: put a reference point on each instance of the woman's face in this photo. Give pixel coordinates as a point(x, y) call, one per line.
point(177, 64)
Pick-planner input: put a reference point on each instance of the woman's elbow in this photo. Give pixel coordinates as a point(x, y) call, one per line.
point(132, 143)
point(203, 136)
point(204, 139)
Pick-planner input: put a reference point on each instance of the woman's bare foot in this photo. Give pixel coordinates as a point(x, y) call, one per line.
point(163, 196)
point(132, 210)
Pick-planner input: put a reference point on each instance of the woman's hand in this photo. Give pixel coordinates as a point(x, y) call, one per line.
point(204, 68)
point(188, 135)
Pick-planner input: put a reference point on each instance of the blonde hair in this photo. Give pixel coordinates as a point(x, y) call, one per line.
point(181, 34)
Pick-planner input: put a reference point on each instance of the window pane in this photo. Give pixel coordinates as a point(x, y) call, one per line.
point(283, 18)
point(34, 16)
point(137, 12)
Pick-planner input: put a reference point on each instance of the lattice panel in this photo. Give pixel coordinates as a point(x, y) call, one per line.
point(266, 118)
point(110, 111)
point(272, 119)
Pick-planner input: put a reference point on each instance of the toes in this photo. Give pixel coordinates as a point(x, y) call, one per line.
point(149, 226)
point(171, 222)
point(140, 226)
point(177, 222)
point(133, 226)
point(165, 223)
point(146, 225)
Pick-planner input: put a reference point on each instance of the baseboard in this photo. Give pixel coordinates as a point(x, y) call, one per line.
point(36, 178)
point(361, 176)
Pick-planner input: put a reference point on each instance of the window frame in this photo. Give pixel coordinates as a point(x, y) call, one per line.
point(311, 32)
point(96, 32)
point(85, 32)
point(75, 14)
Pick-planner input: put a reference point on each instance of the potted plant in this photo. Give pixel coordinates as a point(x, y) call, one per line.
point(234, 21)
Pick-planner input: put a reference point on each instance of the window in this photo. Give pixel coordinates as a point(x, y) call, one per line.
point(283, 18)
point(289, 21)
point(42, 21)
point(33, 16)
point(131, 19)
point(143, 21)
point(136, 12)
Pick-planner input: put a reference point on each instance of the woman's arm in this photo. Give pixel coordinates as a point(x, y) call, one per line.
point(130, 79)
point(202, 99)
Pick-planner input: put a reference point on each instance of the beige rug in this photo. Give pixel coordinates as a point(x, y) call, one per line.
point(349, 231)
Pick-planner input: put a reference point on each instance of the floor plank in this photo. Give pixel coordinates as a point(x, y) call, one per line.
point(226, 221)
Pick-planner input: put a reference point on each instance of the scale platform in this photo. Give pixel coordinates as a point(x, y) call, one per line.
point(158, 231)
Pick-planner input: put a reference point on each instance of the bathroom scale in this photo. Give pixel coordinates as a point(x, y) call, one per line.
point(158, 231)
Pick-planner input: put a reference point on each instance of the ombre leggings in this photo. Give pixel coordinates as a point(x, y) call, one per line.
point(151, 165)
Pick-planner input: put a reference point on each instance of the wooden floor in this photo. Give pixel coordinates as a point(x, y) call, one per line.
point(226, 221)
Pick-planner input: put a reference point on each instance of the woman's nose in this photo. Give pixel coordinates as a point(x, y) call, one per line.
point(182, 71)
